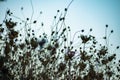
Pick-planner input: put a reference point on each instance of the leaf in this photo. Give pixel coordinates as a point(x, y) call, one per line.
point(34, 43)
point(22, 46)
point(10, 24)
point(103, 51)
point(7, 48)
point(62, 67)
point(13, 34)
point(0, 25)
point(42, 42)
point(82, 66)
point(1, 30)
point(85, 38)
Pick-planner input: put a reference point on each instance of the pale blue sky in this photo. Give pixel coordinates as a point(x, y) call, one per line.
point(82, 14)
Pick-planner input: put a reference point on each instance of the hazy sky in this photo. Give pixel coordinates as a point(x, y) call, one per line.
point(82, 14)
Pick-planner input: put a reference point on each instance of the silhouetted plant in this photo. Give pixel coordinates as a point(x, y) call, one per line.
point(24, 56)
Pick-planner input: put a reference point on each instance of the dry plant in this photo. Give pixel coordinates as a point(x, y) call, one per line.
point(23, 56)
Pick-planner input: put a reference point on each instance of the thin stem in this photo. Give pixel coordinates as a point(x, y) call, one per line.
point(83, 47)
point(17, 18)
point(106, 36)
point(69, 70)
point(68, 8)
point(32, 11)
point(70, 4)
point(74, 35)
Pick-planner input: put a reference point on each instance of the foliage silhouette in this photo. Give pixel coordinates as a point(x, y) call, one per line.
point(23, 56)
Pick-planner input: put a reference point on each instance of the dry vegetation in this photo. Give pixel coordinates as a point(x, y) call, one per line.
point(23, 56)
